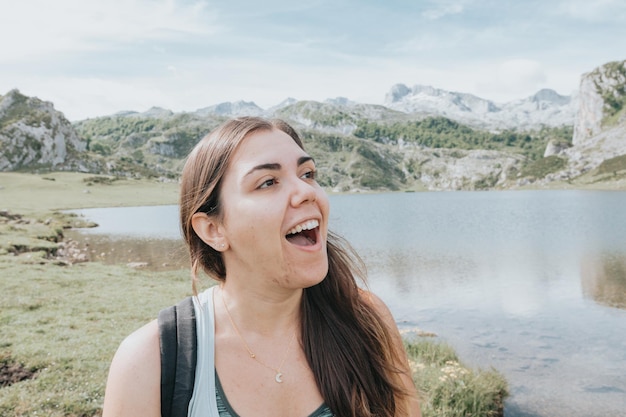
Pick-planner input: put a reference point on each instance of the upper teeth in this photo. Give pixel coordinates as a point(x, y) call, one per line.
point(311, 224)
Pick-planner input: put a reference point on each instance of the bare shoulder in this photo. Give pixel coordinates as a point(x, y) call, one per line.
point(413, 408)
point(379, 305)
point(133, 385)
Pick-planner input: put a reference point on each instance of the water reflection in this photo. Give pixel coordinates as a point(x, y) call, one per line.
point(522, 311)
point(603, 278)
point(603, 275)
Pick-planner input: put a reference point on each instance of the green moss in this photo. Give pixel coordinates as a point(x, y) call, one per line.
point(615, 95)
point(613, 165)
point(440, 132)
point(487, 182)
point(26, 110)
point(544, 166)
point(16, 111)
point(99, 179)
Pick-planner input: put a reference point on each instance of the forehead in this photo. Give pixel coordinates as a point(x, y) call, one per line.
point(266, 146)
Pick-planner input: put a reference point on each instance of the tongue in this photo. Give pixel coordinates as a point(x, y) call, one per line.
point(299, 239)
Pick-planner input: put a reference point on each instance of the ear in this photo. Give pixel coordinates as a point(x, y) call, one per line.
point(210, 231)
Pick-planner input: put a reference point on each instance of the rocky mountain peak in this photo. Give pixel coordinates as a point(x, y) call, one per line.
point(397, 92)
point(157, 112)
point(545, 108)
point(32, 132)
point(232, 108)
point(602, 98)
point(340, 101)
point(9, 98)
point(285, 103)
point(551, 96)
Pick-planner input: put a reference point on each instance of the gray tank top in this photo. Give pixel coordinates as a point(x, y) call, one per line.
point(225, 410)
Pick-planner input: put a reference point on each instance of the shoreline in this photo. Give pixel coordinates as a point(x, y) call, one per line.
point(28, 194)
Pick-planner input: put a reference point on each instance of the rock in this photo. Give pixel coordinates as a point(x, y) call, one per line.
point(606, 80)
point(555, 148)
point(137, 264)
point(36, 134)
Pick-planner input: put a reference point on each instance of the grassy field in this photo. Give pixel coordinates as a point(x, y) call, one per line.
point(29, 193)
point(64, 323)
point(61, 321)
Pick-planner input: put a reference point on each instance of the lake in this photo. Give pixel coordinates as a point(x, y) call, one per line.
point(532, 283)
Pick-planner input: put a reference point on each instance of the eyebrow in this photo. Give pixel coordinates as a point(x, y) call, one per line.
point(274, 166)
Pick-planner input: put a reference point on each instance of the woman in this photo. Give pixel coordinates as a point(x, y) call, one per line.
point(287, 332)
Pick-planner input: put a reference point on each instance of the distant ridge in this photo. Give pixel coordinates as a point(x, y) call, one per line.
point(544, 108)
point(237, 108)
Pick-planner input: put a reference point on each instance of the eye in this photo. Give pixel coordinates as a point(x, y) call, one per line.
point(268, 183)
point(309, 175)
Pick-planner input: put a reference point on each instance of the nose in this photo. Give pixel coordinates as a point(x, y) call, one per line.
point(303, 192)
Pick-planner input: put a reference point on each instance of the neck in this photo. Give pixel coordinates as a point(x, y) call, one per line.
point(266, 313)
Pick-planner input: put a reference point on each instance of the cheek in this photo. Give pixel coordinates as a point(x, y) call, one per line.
point(254, 225)
point(324, 206)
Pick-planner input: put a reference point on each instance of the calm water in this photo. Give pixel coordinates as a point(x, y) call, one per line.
point(532, 283)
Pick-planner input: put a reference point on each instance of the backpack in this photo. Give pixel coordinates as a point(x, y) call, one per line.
point(178, 345)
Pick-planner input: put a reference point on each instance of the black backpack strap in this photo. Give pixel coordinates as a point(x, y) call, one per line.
point(177, 336)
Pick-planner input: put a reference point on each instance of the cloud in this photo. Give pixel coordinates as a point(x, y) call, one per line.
point(40, 28)
point(429, 41)
point(512, 78)
point(594, 11)
point(443, 8)
point(525, 71)
point(95, 58)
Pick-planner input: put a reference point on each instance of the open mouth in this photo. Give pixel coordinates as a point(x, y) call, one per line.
point(304, 234)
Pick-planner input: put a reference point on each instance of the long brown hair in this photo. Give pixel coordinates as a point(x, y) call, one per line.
point(348, 346)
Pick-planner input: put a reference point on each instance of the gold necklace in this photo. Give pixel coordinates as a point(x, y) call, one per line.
point(278, 377)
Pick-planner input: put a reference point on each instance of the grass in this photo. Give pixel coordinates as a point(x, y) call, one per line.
point(65, 322)
point(32, 193)
point(612, 165)
point(544, 166)
point(61, 322)
point(451, 389)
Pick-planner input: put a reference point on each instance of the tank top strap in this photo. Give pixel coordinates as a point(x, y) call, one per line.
point(203, 402)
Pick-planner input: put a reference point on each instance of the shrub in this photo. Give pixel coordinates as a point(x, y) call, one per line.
point(612, 165)
point(448, 388)
point(544, 166)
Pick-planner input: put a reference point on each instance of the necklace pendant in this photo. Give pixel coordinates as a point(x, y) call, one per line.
point(279, 377)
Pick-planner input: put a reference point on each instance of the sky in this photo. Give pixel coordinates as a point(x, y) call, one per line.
point(94, 58)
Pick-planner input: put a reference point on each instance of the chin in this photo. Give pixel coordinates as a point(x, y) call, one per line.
point(311, 276)
point(318, 277)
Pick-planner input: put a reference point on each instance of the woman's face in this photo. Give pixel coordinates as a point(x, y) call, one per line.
point(275, 214)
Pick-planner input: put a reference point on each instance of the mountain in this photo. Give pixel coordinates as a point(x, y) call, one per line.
point(429, 100)
point(286, 102)
point(603, 100)
point(425, 138)
point(333, 116)
point(34, 134)
point(545, 108)
point(152, 112)
point(599, 140)
point(238, 108)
